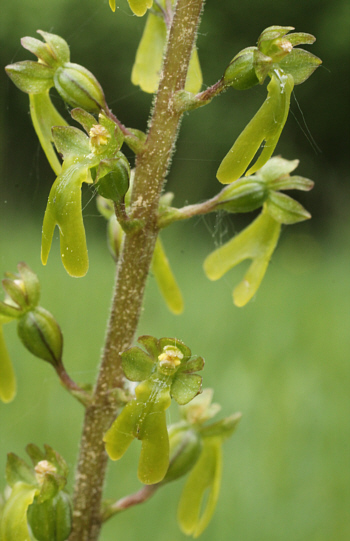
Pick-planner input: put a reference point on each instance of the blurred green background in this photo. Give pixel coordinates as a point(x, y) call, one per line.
point(284, 359)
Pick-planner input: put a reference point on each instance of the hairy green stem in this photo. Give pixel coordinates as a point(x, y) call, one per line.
point(132, 271)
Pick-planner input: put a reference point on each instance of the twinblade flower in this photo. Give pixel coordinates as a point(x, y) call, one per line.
point(166, 371)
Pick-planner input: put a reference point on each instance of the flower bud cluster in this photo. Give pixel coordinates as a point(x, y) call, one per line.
point(37, 328)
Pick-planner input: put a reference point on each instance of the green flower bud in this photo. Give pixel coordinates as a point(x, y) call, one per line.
point(243, 195)
point(51, 520)
point(41, 335)
point(241, 72)
point(115, 182)
point(79, 87)
point(185, 448)
point(13, 524)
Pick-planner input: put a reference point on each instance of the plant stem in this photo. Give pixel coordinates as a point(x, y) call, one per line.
point(132, 270)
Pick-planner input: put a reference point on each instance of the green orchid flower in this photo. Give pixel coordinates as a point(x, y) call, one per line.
point(81, 154)
point(166, 371)
point(149, 57)
point(37, 505)
point(259, 240)
point(77, 86)
point(196, 449)
point(276, 57)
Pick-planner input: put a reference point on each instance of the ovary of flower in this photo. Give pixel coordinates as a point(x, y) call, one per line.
point(171, 357)
point(99, 136)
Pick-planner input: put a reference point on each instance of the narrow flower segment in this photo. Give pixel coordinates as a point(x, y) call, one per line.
point(275, 57)
point(149, 57)
point(257, 242)
point(265, 127)
point(7, 375)
point(166, 371)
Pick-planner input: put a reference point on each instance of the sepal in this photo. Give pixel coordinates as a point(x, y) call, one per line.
point(31, 77)
point(285, 210)
point(300, 65)
point(51, 520)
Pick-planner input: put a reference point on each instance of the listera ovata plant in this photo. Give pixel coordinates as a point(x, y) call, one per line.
point(136, 384)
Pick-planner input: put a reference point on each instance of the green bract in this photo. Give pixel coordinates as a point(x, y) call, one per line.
point(149, 57)
point(166, 371)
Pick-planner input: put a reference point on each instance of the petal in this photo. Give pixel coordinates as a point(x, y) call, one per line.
point(205, 477)
point(154, 458)
point(139, 7)
point(266, 126)
point(165, 280)
point(256, 242)
point(149, 55)
point(64, 210)
point(14, 526)
point(119, 437)
point(7, 375)
point(194, 78)
point(44, 117)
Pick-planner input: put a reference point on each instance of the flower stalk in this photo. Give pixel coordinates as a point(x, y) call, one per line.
point(132, 270)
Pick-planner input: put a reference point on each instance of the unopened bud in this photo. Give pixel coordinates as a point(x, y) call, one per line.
point(41, 335)
point(241, 73)
point(115, 183)
point(51, 520)
point(243, 195)
point(79, 87)
point(185, 448)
